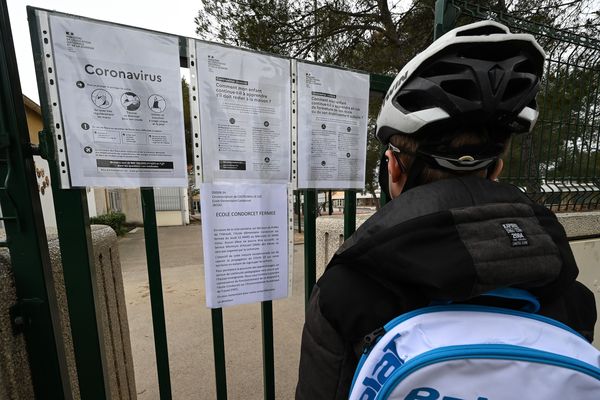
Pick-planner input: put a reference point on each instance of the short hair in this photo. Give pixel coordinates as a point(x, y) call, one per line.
point(454, 141)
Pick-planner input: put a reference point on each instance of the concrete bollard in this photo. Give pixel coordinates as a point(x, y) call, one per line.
point(15, 375)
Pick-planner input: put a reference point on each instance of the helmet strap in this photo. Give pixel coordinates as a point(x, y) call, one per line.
point(383, 176)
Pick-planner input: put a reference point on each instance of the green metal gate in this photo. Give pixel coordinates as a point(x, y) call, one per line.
point(24, 226)
point(534, 165)
point(35, 314)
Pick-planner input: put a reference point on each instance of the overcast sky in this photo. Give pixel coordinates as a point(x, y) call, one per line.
point(175, 17)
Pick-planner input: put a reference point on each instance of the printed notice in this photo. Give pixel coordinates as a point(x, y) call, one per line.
point(244, 101)
point(245, 241)
point(333, 109)
point(121, 103)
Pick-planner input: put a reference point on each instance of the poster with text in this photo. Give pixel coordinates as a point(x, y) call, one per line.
point(244, 101)
point(245, 240)
point(333, 106)
point(121, 102)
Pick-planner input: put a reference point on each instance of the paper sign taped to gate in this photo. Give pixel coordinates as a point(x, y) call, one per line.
point(245, 240)
point(120, 96)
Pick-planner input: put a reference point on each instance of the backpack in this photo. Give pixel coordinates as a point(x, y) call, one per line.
point(477, 352)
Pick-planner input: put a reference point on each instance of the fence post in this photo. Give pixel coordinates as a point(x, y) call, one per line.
point(310, 245)
point(266, 309)
point(219, 353)
point(299, 210)
point(349, 213)
point(156, 294)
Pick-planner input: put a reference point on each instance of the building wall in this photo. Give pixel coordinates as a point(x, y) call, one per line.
point(101, 201)
point(34, 122)
point(131, 203)
point(169, 218)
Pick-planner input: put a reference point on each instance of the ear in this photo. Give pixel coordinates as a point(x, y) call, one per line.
point(396, 177)
point(497, 170)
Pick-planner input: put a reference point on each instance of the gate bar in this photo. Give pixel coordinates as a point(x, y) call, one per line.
point(298, 209)
point(156, 293)
point(349, 213)
point(219, 353)
point(268, 354)
point(310, 242)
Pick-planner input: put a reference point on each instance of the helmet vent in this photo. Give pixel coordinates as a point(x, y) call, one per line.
point(525, 66)
point(516, 87)
point(413, 102)
point(465, 89)
point(482, 31)
point(497, 53)
point(443, 68)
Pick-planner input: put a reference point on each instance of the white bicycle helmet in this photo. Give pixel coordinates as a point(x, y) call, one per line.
point(478, 76)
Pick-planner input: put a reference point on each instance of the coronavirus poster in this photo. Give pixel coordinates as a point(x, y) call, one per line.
point(332, 127)
point(244, 100)
point(119, 93)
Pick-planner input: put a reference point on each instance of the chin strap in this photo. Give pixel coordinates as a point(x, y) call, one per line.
point(383, 176)
point(421, 159)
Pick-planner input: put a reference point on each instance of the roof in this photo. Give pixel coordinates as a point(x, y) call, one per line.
point(32, 105)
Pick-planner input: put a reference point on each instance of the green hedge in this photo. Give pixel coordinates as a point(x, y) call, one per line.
point(113, 219)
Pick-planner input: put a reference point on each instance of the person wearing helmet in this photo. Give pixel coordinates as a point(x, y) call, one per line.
point(451, 232)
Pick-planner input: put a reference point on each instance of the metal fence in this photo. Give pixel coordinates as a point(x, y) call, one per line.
point(558, 164)
point(114, 200)
point(168, 199)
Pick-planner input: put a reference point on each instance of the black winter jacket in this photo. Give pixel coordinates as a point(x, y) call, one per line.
point(450, 240)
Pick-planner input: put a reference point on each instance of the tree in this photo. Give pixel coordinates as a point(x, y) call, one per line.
point(377, 36)
point(363, 34)
point(374, 151)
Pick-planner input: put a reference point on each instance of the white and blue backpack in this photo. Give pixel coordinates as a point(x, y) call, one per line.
point(474, 352)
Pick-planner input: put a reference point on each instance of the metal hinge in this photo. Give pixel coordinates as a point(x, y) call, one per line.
point(46, 147)
point(21, 314)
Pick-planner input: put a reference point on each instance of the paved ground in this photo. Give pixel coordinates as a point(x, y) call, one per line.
point(189, 323)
